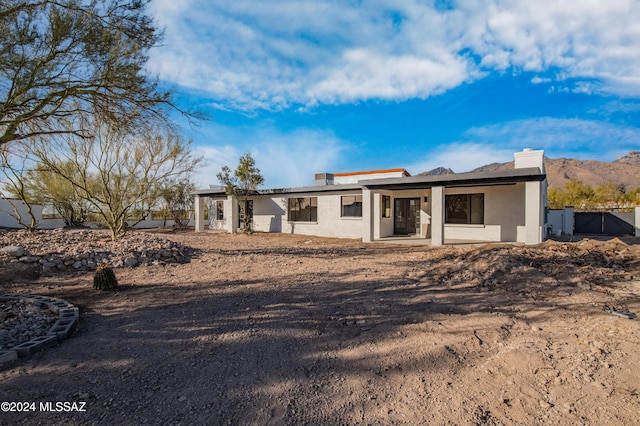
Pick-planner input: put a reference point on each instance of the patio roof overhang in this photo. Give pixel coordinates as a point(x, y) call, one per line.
point(502, 177)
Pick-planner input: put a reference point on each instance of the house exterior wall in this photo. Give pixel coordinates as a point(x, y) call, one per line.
point(533, 232)
point(503, 213)
point(382, 226)
point(270, 215)
point(514, 205)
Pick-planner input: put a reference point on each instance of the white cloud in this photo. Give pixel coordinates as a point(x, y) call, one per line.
point(284, 159)
point(539, 80)
point(255, 54)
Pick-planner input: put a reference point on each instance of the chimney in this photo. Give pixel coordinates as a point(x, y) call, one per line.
point(529, 158)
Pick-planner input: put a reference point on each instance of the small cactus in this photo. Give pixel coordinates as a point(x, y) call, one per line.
point(104, 279)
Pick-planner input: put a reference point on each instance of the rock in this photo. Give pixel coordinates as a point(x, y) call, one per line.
point(15, 251)
point(130, 261)
point(83, 250)
point(544, 404)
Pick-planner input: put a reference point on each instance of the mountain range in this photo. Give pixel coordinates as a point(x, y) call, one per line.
point(624, 170)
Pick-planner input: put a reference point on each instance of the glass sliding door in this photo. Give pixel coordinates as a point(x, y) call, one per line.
point(406, 216)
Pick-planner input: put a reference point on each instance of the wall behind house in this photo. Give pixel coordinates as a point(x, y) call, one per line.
point(7, 213)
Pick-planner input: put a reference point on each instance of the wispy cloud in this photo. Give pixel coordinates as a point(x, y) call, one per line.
point(570, 138)
point(559, 137)
point(253, 54)
point(284, 159)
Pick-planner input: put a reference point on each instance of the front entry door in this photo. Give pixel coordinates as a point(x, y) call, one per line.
point(407, 216)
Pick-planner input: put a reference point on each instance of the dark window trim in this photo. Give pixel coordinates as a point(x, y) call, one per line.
point(385, 204)
point(306, 209)
point(462, 209)
point(353, 208)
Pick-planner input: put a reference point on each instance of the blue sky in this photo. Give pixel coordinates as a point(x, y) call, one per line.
point(345, 85)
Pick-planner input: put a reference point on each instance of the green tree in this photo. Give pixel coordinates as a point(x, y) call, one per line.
point(243, 183)
point(578, 194)
point(178, 201)
point(51, 188)
point(65, 59)
point(118, 174)
point(612, 195)
point(556, 198)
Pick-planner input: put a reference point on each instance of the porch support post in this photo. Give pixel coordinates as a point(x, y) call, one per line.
point(437, 215)
point(637, 222)
point(367, 215)
point(199, 213)
point(533, 213)
point(231, 214)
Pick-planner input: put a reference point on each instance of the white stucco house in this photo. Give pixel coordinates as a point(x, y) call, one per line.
point(508, 206)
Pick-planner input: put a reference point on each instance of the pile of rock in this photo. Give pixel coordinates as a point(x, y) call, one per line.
point(84, 250)
point(21, 320)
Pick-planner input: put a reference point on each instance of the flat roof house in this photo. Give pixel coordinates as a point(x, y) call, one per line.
point(507, 205)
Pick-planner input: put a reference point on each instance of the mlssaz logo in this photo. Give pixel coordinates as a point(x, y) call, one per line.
point(65, 406)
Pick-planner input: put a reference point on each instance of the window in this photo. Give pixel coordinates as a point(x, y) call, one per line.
point(352, 206)
point(386, 206)
point(219, 210)
point(303, 209)
point(464, 208)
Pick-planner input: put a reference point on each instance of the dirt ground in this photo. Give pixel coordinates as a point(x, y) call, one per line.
point(281, 329)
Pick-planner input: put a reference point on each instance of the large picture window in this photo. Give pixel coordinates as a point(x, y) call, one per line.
point(303, 209)
point(464, 208)
point(352, 206)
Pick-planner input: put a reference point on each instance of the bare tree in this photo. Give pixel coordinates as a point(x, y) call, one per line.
point(68, 58)
point(14, 167)
point(117, 173)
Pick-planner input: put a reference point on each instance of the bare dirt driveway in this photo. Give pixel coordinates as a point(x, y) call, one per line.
point(281, 329)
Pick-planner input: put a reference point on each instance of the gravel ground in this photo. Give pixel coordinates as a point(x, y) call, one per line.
point(282, 329)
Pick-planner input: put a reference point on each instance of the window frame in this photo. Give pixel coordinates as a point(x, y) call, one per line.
point(353, 210)
point(385, 206)
point(219, 213)
point(298, 215)
point(468, 205)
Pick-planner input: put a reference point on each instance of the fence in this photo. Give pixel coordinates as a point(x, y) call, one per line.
point(566, 222)
point(9, 207)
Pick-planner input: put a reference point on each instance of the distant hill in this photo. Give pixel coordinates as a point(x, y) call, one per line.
point(624, 170)
point(437, 171)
